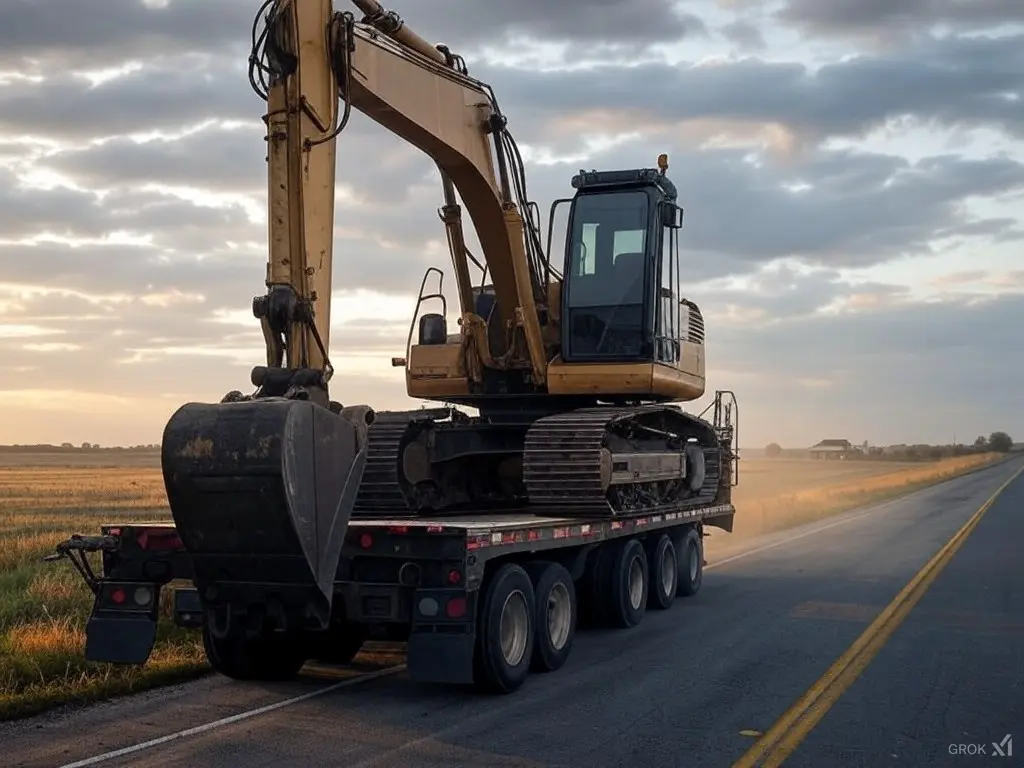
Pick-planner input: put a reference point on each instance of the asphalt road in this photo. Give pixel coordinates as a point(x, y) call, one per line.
point(697, 685)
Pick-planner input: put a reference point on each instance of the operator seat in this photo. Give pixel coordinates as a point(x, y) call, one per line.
point(628, 270)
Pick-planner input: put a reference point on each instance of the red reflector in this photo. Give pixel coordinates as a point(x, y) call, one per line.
point(158, 540)
point(398, 528)
point(118, 596)
point(454, 577)
point(366, 541)
point(456, 608)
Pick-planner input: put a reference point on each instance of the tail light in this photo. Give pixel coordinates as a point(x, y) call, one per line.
point(455, 608)
point(158, 540)
point(129, 596)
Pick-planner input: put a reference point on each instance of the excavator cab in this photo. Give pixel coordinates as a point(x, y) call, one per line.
point(626, 331)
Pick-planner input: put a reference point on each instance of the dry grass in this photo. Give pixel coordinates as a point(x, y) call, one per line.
point(779, 493)
point(43, 607)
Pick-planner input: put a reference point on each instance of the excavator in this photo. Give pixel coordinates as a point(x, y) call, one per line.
point(573, 362)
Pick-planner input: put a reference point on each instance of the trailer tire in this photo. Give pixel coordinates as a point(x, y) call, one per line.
point(505, 634)
point(626, 600)
point(691, 562)
point(262, 658)
point(663, 567)
point(595, 585)
point(555, 622)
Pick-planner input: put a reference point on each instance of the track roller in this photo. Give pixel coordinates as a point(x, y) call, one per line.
point(690, 550)
point(555, 620)
point(663, 566)
point(505, 633)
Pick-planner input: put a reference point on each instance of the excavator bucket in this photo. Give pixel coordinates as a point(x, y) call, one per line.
point(261, 493)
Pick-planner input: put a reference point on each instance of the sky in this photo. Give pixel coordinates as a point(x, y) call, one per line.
point(852, 175)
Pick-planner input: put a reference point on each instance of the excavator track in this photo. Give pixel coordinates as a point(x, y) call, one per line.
point(380, 493)
point(563, 458)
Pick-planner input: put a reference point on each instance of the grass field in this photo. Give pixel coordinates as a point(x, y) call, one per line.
point(43, 607)
point(779, 493)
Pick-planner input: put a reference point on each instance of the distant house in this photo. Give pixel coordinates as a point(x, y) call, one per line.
point(833, 449)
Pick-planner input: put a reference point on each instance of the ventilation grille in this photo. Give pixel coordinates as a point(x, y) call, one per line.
point(694, 329)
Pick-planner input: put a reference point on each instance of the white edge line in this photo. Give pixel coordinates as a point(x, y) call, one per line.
point(233, 719)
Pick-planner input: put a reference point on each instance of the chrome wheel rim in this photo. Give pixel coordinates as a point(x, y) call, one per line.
point(636, 583)
point(669, 571)
point(559, 615)
point(514, 628)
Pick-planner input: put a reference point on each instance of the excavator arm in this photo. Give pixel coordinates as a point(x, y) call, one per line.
point(262, 486)
point(306, 57)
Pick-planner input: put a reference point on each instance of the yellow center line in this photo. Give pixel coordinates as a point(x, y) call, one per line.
point(792, 728)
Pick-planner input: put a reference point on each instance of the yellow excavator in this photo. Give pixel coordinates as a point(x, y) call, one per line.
point(572, 360)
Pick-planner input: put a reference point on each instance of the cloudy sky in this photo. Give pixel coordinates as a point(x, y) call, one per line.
point(852, 173)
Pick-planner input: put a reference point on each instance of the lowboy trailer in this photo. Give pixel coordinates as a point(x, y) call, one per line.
point(479, 599)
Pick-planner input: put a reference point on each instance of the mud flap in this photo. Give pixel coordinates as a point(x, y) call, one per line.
point(122, 626)
point(261, 493)
point(119, 639)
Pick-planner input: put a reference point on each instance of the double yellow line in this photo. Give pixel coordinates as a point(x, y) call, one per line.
point(792, 728)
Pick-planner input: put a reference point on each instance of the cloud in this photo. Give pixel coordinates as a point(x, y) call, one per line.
point(745, 35)
point(879, 372)
point(884, 20)
point(105, 33)
point(165, 94)
point(580, 21)
point(958, 82)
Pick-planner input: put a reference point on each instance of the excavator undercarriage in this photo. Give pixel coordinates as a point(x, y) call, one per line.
point(589, 461)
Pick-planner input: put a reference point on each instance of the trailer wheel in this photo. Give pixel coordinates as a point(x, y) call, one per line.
point(664, 573)
point(627, 596)
point(555, 622)
point(505, 634)
point(691, 562)
point(264, 657)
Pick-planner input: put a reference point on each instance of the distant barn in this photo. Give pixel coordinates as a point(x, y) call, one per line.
point(833, 449)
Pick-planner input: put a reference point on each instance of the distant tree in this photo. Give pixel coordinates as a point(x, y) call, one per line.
point(1000, 442)
point(980, 442)
point(773, 450)
point(87, 446)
